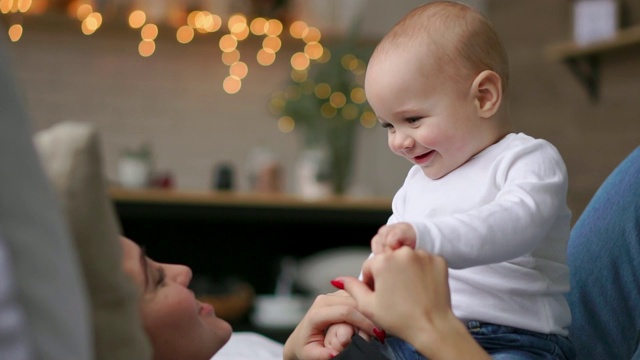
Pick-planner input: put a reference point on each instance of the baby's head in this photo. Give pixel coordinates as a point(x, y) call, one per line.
point(437, 81)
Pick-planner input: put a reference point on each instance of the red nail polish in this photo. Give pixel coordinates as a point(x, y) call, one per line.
point(337, 283)
point(380, 334)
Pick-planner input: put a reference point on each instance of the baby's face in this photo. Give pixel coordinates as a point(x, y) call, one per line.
point(431, 119)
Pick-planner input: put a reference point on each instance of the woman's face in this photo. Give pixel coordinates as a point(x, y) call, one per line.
point(178, 325)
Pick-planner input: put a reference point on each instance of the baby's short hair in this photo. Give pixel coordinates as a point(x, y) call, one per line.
point(452, 33)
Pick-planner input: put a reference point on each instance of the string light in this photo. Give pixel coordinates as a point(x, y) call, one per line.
point(188, 25)
point(334, 105)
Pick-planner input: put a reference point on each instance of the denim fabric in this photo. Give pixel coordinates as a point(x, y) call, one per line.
point(508, 343)
point(501, 342)
point(396, 349)
point(604, 262)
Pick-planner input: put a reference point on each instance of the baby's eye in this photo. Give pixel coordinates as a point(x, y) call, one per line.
point(412, 120)
point(386, 126)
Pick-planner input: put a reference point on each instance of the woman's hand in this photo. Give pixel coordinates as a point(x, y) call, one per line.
point(406, 293)
point(307, 340)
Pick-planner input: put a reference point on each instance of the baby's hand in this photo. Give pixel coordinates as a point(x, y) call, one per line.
point(392, 237)
point(338, 336)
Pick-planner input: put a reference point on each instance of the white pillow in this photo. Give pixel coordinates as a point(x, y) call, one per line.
point(71, 154)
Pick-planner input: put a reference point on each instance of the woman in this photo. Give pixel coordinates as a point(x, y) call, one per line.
point(181, 327)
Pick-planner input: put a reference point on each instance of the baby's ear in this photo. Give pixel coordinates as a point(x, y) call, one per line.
point(487, 92)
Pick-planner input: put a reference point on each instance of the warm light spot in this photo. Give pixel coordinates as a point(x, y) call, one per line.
point(358, 96)
point(199, 20)
point(360, 68)
point(191, 19)
point(313, 50)
point(312, 35)
point(286, 124)
point(15, 32)
point(299, 75)
point(272, 43)
point(146, 48)
point(322, 90)
point(239, 28)
point(265, 58)
point(228, 42)
point(349, 112)
point(91, 23)
point(236, 21)
point(349, 62)
point(328, 111)
point(300, 61)
point(185, 34)
point(137, 18)
point(149, 32)
point(243, 33)
point(232, 84)
point(326, 56)
point(239, 70)
point(215, 24)
point(274, 27)
point(276, 105)
point(338, 99)
point(368, 119)
point(205, 21)
point(258, 26)
point(83, 11)
point(230, 57)
point(5, 6)
point(24, 5)
point(298, 29)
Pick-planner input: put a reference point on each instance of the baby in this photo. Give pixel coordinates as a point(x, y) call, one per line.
point(492, 202)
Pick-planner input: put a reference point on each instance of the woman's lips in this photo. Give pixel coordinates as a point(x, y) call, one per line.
point(206, 309)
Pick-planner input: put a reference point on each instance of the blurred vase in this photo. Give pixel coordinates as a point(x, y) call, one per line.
point(133, 172)
point(135, 167)
point(313, 173)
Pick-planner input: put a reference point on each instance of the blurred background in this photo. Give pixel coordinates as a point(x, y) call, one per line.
point(265, 96)
point(174, 99)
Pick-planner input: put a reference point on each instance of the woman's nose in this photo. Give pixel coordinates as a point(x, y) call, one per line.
point(181, 274)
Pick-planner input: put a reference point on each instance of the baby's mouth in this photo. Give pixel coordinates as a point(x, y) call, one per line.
point(423, 156)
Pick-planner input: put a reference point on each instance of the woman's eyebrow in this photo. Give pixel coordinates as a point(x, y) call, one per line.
point(145, 267)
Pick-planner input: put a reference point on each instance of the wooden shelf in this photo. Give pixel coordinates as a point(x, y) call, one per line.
point(583, 60)
point(245, 199)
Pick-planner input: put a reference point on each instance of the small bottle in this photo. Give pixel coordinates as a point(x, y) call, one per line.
point(223, 177)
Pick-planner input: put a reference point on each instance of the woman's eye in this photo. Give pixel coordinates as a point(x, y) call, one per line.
point(160, 277)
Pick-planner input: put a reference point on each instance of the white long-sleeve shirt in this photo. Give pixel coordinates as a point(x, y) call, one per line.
point(502, 223)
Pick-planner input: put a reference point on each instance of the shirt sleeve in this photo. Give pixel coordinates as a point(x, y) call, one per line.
point(532, 196)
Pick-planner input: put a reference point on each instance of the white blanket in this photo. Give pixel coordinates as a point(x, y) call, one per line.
point(249, 346)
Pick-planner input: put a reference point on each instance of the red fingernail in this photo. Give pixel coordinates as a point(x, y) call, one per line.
point(331, 356)
point(337, 283)
point(380, 334)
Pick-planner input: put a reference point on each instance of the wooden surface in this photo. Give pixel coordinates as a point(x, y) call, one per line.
point(624, 38)
point(245, 199)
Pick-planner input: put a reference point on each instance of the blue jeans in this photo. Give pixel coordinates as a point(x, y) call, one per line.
point(604, 261)
point(506, 343)
point(501, 342)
